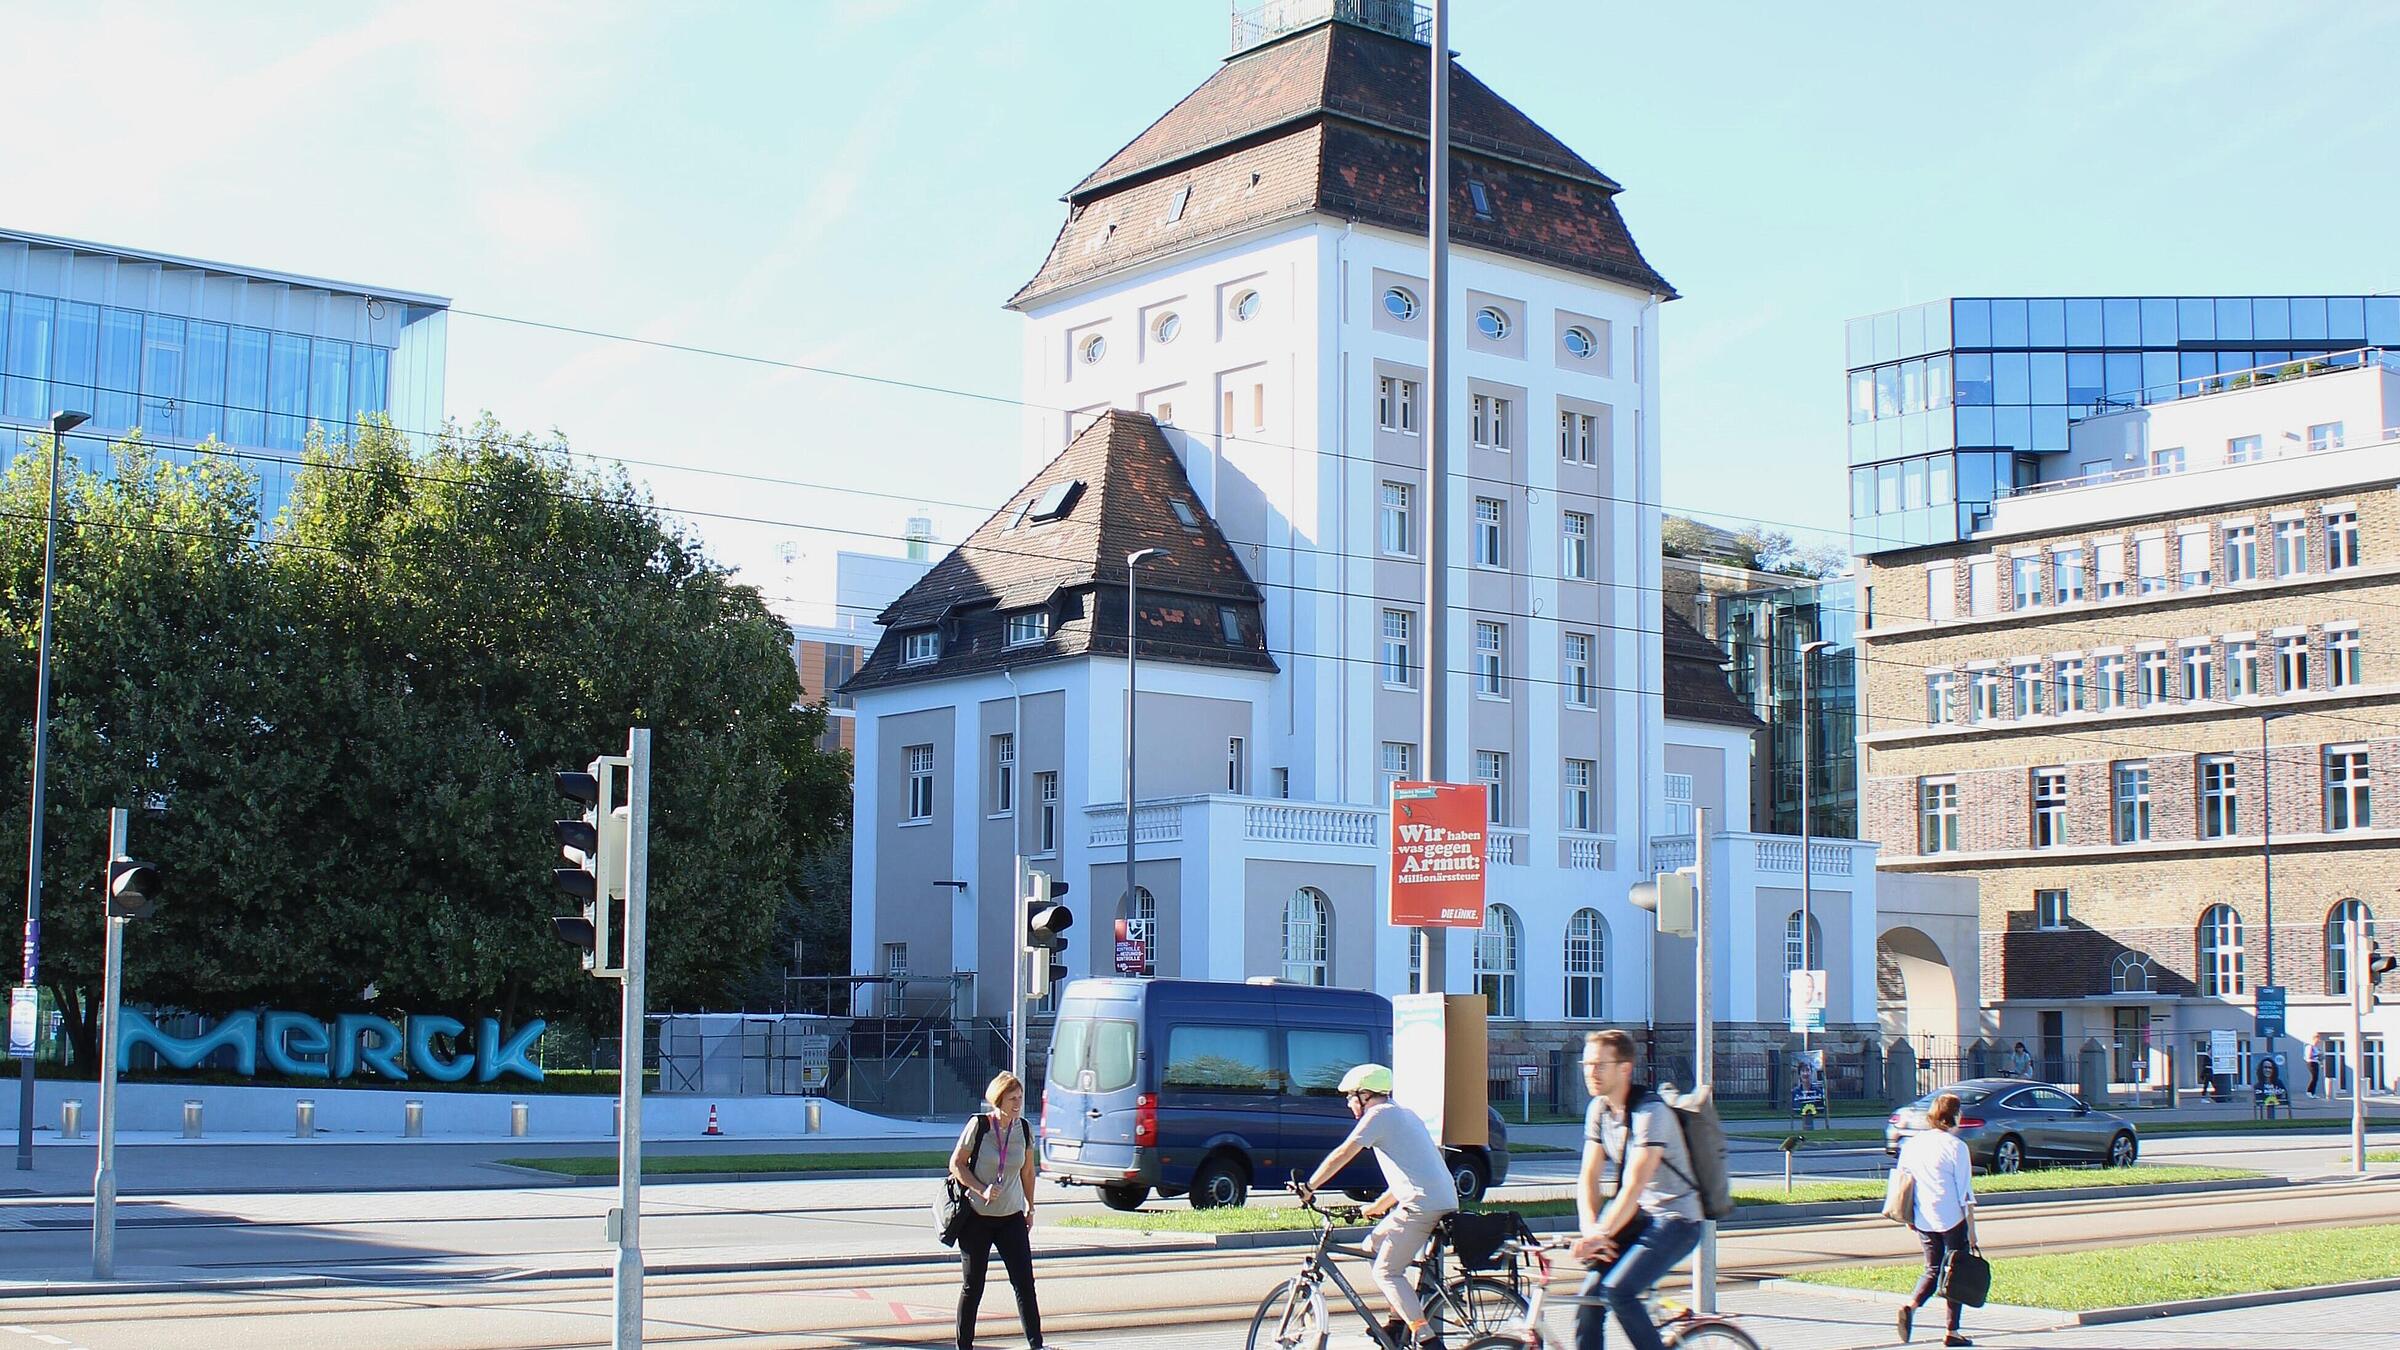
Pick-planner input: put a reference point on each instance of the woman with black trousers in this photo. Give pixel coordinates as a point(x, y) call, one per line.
point(994, 1162)
point(1943, 1213)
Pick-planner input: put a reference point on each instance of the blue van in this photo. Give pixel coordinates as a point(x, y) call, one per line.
point(1207, 1088)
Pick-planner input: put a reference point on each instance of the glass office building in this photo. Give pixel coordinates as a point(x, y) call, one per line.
point(1954, 402)
point(187, 351)
point(1764, 630)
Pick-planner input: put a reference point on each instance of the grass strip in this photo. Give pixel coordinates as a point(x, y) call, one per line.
point(2165, 1272)
point(2384, 1155)
point(669, 1164)
point(2281, 1125)
point(1255, 1219)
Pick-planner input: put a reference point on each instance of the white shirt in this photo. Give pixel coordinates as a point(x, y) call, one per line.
point(1945, 1177)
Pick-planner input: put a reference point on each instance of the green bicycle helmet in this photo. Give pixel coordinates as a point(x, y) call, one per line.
point(1373, 1078)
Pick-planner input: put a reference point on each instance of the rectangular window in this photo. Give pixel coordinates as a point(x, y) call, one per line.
point(1983, 695)
point(1399, 659)
point(919, 647)
point(1396, 404)
point(1491, 534)
point(1399, 764)
point(2166, 461)
point(895, 959)
point(2325, 436)
point(2241, 553)
point(1237, 766)
point(1941, 591)
point(1575, 660)
point(2199, 669)
point(2343, 659)
point(2241, 669)
point(920, 782)
point(2115, 682)
point(1397, 524)
point(2291, 663)
point(1004, 773)
point(1045, 786)
point(1491, 659)
point(2029, 689)
point(1258, 407)
point(2074, 692)
point(2244, 449)
point(2291, 547)
point(2050, 909)
point(1577, 438)
point(2066, 574)
point(2109, 560)
point(1028, 627)
point(2156, 677)
point(2220, 798)
point(2341, 540)
point(1575, 546)
point(2347, 803)
point(1941, 698)
point(2191, 558)
point(2025, 582)
point(1937, 815)
point(2049, 808)
point(2150, 565)
point(1578, 801)
point(1983, 586)
point(2132, 799)
point(1491, 770)
point(1491, 422)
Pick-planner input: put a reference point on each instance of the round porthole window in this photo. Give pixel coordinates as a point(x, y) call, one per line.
point(1245, 306)
point(1167, 327)
point(1398, 303)
point(1579, 342)
point(1094, 347)
point(1491, 323)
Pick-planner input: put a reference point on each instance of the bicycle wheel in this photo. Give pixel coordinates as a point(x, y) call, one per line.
point(1475, 1305)
point(1287, 1319)
point(1711, 1335)
point(1496, 1341)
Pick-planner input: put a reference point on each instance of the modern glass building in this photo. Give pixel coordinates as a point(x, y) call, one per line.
point(1764, 630)
point(188, 351)
point(1954, 402)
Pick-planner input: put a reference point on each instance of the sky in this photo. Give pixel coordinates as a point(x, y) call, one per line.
point(858, 187)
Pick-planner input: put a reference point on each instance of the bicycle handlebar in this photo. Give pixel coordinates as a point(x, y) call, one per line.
point(1346, 1214)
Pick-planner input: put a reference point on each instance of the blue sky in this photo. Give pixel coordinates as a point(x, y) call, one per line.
point(859, 186)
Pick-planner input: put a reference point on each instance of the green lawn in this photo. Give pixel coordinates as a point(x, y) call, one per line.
point(2304, 1125)
point(2164, 1272)
point(2384, 1155)
point(1840, 1134)
point(1180, 1219)
point(676, 1163)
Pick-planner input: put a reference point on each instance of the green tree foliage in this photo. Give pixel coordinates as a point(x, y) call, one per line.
point(350, 718)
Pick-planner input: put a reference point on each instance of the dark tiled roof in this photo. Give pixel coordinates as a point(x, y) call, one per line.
point(1074, 569)
point(1696, 688)
point(1331, 120)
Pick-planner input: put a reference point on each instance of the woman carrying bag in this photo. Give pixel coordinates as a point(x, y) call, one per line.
point(994, 1165)
point(1933, 1192)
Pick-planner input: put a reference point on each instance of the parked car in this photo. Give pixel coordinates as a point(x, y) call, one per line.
point(1207, 1089)
point(2007, 1123)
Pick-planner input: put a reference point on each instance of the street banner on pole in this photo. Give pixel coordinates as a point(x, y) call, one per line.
point(1437, 855)
point(1808, 1000)
point(2270, 1011)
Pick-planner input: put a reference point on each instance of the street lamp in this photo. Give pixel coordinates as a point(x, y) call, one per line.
point(1808, 915)
point(2266, 842)
point(28, 989)
point(1132, 616)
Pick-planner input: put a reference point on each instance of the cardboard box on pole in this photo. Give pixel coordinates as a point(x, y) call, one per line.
point(1441, 1062)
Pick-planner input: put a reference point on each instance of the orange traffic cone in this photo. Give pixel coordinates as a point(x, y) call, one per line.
point(712, 1120)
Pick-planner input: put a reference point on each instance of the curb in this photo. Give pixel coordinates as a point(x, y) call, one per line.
point(2138, 1312)
point(650, 1178)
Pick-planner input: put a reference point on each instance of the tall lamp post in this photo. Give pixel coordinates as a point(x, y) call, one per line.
point(30, 985)
point(1808, 910)
point(2266, 844)
point(1132, 628)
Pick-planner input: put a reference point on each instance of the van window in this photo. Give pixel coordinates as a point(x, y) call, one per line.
point(1112, 1056)
point(1220, 1058)
point(1319, 1059)
point(1104, 1049)
point(1067, 1048)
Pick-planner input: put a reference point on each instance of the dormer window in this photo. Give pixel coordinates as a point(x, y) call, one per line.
point(920, 647)
point(1028, 627)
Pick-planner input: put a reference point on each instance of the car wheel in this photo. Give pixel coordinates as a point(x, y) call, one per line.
point(2008, 1157)
point(2123, 1149)
point(1129, 1197)
point(1472, 1175)
point(1220, 1183)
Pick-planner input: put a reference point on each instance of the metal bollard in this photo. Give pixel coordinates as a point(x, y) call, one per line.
point(191, 1118)
point(304, 1120)
point(70, 1119)
point(815, 1109)
point(517, 1127)
point(616, 1119)
point(412, 1120)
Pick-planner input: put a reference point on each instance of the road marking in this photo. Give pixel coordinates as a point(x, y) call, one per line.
point(43, 1336)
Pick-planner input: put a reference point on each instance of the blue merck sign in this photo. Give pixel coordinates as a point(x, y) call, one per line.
point(352, 1042)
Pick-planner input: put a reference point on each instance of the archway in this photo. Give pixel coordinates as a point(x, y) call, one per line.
point(1917, 996)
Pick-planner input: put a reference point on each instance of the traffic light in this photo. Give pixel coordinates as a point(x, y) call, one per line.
point(595, 843)
point(2378, 965)
point(133, 889)
point(1046, 923)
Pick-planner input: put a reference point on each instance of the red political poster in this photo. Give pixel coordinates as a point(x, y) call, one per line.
point(1437, 855)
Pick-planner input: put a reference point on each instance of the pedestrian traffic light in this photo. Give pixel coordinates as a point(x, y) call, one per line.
point(133, 889)
point(2378, 965)
point(1046, 923)
point(595, 843)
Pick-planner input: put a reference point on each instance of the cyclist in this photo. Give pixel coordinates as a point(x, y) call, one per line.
point(1653, 1220)
point(1418, 1192)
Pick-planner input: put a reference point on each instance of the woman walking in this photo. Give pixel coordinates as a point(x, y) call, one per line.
point(994, 1162)
point(1937, 1166)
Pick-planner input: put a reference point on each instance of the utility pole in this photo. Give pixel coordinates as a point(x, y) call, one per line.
point(1808, 910)
point(1133, 562)
point(1436, 662)
point(1704, 1059)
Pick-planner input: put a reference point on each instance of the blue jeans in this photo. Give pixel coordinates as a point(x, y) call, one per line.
point(1663, 1243)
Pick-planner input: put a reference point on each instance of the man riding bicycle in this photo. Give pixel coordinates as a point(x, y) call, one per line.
point(1653, 1220)
point(1418, 1192)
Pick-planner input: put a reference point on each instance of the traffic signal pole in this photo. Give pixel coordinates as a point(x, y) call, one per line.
point(1704, 1059)
point(112, 983)
point(1019, 911)
point(2362, 991)
point(628, 1281)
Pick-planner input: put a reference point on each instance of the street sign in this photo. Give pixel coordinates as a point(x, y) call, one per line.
point(2270, 1012)
point(23, 1014)
point(1808, 1000)
point(815, 1053)
point(1437, 855)
point(1525, 1071)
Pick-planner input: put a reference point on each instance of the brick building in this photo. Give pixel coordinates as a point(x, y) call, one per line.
point(2069, 706)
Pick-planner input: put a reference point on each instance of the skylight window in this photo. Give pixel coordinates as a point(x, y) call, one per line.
point(1481, 197)
point(1183, 512)
point(1183, 198)
point(1057, 500)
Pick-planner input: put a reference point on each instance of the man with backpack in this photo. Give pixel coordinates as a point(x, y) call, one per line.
point(1654, 1217)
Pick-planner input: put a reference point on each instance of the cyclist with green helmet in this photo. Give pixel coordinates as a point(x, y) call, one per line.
point(1418, 1190)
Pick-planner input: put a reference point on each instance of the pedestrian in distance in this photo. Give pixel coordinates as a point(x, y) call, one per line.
point(1937, 1166)
point(2316, 1064)
point(1418, 1192)
point(1652, 1220)
point(994, 1161)
point(2021, 1061)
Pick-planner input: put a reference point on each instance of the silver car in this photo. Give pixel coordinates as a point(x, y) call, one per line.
point(2007, 1123)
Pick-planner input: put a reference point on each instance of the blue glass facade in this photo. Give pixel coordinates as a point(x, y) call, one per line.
point(1764, 631)
point(1953, 402)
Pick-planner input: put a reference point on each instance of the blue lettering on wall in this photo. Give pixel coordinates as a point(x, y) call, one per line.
point(355, 1041)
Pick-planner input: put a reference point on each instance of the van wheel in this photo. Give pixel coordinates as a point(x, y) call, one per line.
point(1472, 1175)
point(1124, 1197)
point(1220, 1182)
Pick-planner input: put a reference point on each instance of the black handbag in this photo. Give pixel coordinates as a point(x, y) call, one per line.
point(1967, 1280)
point(951, 1210)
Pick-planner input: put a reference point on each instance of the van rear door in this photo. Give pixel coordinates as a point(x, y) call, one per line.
point(1088, 1099)
point(1315, 1118)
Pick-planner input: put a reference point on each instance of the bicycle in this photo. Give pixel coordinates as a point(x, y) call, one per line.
point(1677, 1325)
point(1295, 1315)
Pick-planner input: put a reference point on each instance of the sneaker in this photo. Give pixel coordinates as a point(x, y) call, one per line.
point(1395, 1331)
point(1907, 1321)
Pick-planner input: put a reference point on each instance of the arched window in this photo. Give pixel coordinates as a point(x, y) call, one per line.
point(1307, 923)
point(1496, 949)
point(1587, 965)
point(1793, 953)
point(2337, 943)
point(2129, 974)
point(2220, 952)
point(1141, 925)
